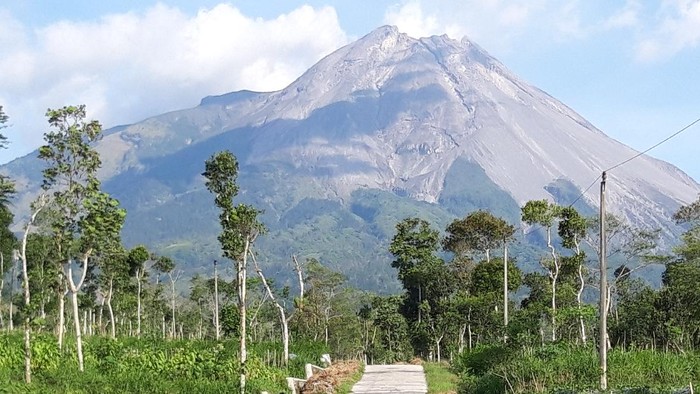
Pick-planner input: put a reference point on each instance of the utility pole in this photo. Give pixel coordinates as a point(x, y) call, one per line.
point(603, 334)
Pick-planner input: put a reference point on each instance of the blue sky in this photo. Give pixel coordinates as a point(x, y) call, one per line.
point(631, 67)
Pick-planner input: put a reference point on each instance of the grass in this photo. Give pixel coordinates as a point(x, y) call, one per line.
point(345, 386)
point(440, 378)
point(130, 365)
point(565, 368)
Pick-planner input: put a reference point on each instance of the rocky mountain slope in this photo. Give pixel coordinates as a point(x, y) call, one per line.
point(386, 127)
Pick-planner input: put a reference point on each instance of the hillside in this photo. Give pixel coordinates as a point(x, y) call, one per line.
point(387, 127)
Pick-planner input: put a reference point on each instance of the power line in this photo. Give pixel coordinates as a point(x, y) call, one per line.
point(634, 157)
point(654, 146)
point(584, 192)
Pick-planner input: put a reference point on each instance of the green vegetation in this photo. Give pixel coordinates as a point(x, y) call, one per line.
point(346, 386)
point(149, 365)
point(138, 326)
point(440, 379)
point(564, 367)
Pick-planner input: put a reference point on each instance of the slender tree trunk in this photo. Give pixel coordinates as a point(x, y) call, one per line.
point(139, 280)
point(280, 308)
point(469, 327)
point(582, 324)
point(173, 280)
point(201, 322)
point(11, 324)
point(100, 314)
point(2, 286)
point(300, 277)
point(505, 291)
point(27, 295)
point(554, 275)
point(462, 331)
point(242, 311)
point(109, 308)
point(61, 294)
point(74, 289)
point(217, 325)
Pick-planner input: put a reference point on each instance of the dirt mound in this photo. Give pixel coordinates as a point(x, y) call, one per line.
point(327, 381)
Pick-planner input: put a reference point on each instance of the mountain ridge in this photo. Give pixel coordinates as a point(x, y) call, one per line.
point(400, 120)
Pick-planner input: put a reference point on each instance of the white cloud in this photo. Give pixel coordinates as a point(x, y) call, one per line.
point(678, 29)
point(410, 19)
point(496, 24)
point(125, 67)
point(626, 17)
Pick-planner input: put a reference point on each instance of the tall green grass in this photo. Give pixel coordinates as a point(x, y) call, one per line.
point(568, 368)
point(148, 366)
point(440, 379)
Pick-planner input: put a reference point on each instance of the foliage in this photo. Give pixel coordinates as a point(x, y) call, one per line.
point(556, 367)
point(440, 379)
point(133, 365)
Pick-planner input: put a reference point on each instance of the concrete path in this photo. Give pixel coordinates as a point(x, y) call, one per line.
point(380, 379)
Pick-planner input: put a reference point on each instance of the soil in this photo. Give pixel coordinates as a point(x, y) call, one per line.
point(328, 380)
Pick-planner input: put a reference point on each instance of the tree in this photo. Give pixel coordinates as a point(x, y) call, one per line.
point(572, 229)
point(479, 231)
point(427, 280)
point(36, 209)
point(7, 187)
point(415, 244)
point(544, 213)
point(136, 259)
point(240, 227)
point(3, 120)
point(86, 220)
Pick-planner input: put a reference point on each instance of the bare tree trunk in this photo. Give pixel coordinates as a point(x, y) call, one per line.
point(74, 289)
point(438, 341)
point(201, 322)
point(173, 280)
point(2, 286)
point(11, 324)
point(139, 279)
point(582, 284)
point(297, 268)
point(22, 254)
point(554, 276)
point(280, 308)
point(241, 277)
point(109, 308)
point(61, 328)
point(100, 314)
point(462, 331)
point(505, 291)
point(217, 325)
point(469, 327)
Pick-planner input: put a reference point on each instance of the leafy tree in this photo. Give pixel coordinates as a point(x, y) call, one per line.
point(86, 220)
point(544, 213)
point(240, 227)
point(136, 260)
point(7, 190)
point(479, 231)
point(572, 230)
point(3, 120)
point(427, 280)
point(386, 331)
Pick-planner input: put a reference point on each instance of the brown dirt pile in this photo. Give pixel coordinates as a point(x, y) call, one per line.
point(327, 381)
